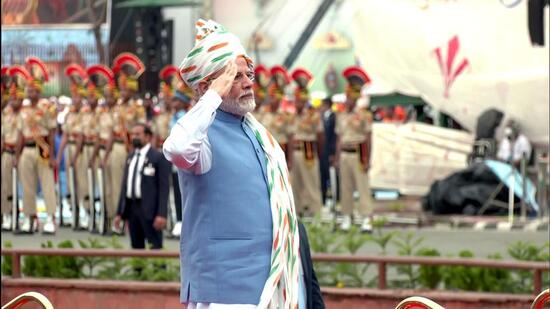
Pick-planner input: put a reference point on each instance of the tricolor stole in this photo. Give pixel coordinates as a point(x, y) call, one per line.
point(282, 286)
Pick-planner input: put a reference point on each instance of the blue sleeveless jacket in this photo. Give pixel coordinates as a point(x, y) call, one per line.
point(227, 226)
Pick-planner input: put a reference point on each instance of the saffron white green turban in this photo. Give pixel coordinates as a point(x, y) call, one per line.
point(214, 48)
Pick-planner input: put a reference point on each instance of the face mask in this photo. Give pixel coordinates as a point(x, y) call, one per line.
point(136, 142)
point(508, 132)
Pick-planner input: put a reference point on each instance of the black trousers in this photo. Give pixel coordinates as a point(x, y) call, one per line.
point(140, 227)
point(177, 195)
point(324, 166)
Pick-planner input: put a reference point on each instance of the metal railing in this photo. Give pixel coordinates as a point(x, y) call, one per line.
point(382, 261)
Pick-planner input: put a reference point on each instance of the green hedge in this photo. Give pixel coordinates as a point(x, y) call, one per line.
point(326, 238)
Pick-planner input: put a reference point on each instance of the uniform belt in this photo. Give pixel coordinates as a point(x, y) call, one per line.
point(89, 143)
point(118, 140)
point(9, 148)
point(72, 141)
point(103, 143)
point(350, 148)
point(30, 142)
point(300, 145)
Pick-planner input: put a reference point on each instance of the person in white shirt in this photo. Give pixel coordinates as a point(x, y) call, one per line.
point(239, 244)
point(514, 146)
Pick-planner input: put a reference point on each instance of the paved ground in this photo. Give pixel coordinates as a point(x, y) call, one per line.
point(449, 241)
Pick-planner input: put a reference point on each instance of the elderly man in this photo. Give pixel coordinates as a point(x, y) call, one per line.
point(239, 238)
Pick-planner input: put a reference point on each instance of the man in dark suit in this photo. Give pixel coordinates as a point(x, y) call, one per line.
point(329, 147)
point(314, 298)
point(144, 195)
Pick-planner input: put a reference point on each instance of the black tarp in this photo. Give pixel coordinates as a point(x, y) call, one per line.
point(487, 123)
point(465, 192)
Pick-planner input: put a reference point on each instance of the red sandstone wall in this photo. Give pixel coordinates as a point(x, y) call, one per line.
point(84, 294)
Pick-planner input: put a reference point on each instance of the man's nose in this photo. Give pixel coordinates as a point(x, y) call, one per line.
point(247, 82)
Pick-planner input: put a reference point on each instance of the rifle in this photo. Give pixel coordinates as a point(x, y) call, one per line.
point(91, 199)
point(102, 202)
point(74, 198)
point(333, 190)
point(14, 201)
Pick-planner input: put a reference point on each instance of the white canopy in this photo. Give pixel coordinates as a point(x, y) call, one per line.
point(462, 57)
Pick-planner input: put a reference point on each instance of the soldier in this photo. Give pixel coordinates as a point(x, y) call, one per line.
point(113, 142)
point(37, 127)
point(353, 129)
point(109, 143)
point(307, 130)
point(72, 133)
point(277, 121)
point(12, 97)
point(261, 83)
point(126, 114)
point(86, 144)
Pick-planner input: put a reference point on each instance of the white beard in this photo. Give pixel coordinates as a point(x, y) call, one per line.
point(238, 107)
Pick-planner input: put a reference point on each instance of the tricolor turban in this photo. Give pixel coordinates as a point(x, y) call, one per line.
point(214, 48)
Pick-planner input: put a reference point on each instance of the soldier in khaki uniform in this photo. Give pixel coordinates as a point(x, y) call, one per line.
point(277, 121)
point(37, 127)
point(353, 129)
point(126, 113)
point(261, 83)
point(90, 122)
point(105, 83)
point(72, 133)
point(307, 130)
point(10, 116)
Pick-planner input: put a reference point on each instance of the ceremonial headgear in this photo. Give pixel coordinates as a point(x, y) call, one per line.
point(6, 79)
point(261, 82)
point(78, 77)
point(101, 78)
point(279, 81)
point(129, 68)
point(38, 71)
point(302, 78)
point(20, 78)
point(356, 78)
point(168, 80)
